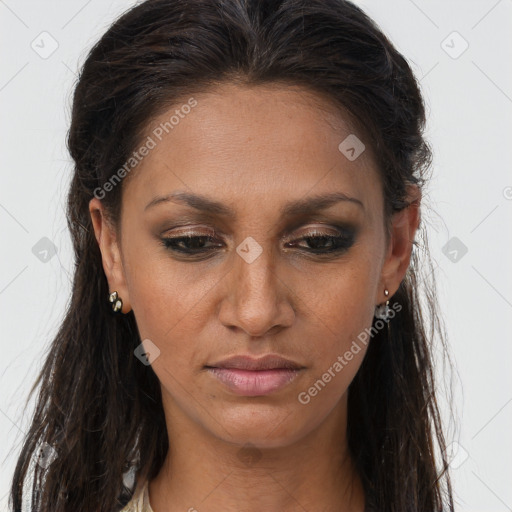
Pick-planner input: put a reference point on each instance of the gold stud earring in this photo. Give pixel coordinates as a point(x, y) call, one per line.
point(117, 303)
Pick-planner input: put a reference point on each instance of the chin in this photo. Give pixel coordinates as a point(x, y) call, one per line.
point(260, 426)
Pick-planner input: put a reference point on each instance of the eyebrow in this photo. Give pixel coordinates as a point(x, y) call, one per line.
point(297, 207)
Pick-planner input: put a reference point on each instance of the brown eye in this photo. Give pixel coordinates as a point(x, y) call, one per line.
point(190, 244)
point(313, 242)
point(319, 242)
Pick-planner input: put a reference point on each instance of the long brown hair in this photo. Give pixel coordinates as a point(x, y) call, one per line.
point(99, 411)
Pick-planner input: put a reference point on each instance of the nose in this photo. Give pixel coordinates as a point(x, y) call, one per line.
point(256, 300)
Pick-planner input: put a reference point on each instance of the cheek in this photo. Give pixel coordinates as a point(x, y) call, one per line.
point(168, 301)
point(340, 299)
point(341, 344)
point(339, 307)
point(163, 291)
point(169, 312)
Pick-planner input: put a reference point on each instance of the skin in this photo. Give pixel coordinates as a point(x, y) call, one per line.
point(254, 149)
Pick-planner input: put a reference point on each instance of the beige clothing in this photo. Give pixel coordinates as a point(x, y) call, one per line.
point(139, 501)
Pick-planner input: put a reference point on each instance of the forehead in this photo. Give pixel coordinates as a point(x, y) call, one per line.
point(260, 143)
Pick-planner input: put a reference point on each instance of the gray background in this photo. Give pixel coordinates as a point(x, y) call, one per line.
point(468, 207)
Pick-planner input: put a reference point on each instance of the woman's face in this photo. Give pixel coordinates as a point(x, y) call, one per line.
point(246, 162)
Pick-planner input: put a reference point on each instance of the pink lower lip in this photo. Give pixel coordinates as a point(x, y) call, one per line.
point(254, 382)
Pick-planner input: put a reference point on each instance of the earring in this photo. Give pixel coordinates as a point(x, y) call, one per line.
point(382, 310)
point(117, 303)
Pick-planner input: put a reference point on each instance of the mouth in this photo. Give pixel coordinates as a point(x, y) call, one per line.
point(247, 376)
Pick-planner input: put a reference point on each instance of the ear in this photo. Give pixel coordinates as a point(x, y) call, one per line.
point(403, 230)
point(110, 253)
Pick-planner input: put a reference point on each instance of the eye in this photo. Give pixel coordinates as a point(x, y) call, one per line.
point(190, 243)
point(313, 242)
point(319, 242)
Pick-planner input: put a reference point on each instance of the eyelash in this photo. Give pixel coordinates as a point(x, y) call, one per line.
point(341, 243)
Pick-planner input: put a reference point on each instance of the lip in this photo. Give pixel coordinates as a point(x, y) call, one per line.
point(267, 362)
point(254, 382)
point(247, 376)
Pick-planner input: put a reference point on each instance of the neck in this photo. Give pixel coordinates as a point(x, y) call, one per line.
point(204, 473)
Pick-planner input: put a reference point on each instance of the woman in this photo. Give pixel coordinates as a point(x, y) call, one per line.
point(245, 329)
